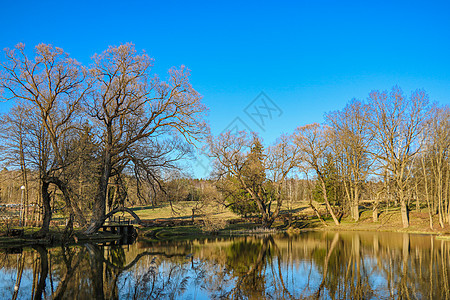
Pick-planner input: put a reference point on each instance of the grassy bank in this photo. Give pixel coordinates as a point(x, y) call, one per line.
point(388, 220)
point(303, 218)
point(181, 210)
point(213, 222)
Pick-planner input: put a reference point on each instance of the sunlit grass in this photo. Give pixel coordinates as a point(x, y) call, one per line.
point(182, 210)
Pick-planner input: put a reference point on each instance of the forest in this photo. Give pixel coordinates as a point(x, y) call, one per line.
point(85, 140)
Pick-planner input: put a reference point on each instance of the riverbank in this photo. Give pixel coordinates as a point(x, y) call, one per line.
point(388, 221)
point(55, 237)
point(302, 218)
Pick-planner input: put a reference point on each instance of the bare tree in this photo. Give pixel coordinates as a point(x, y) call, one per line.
point(314, 142)
point(54, 86)
point(397, 122)
point(13, 152)
point(282, 159)
point(134, 109)
point(352, 139)
point(426, 189)
point(437, 148)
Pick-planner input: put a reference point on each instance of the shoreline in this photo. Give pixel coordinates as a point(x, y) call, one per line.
point(56, 240)
point(387, 222)
point(185, 234)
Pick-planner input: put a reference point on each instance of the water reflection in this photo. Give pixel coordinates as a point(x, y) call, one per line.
point(314, 265)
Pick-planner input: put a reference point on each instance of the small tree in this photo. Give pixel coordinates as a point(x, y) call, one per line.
point(314, 143)
point(330, 176)
point(253, 173)
point(237, 198)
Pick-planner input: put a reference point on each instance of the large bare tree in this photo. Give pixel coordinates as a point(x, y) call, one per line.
point(352, 139)
point(397, 123)
point(135, 113)
point(52, 85)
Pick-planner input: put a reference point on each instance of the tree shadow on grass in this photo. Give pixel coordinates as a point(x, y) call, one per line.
point(301, 224)
point(293, 211)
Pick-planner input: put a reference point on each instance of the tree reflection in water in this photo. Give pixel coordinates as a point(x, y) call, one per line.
point(315, 265)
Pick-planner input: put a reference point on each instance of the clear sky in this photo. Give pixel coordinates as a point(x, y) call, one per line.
point(308, 57)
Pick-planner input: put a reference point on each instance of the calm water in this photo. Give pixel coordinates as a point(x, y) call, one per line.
point(314, 265)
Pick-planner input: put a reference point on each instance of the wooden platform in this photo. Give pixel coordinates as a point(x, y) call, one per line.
point(122, 229)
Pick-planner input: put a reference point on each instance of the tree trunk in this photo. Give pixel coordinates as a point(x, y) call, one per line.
point(267, 223)
point(267, 218)
point(404, 213)
point(439, 186)
point(416, 184)
point(430, 216)
point(69, 227)
point(440, 212)
point(317, 213)
point(349, 198)
point(356, 204)
point(99, 207)
point(47, 210)
point(24, 183)
point(330, 210)
point(375, 210)
point(446, 190)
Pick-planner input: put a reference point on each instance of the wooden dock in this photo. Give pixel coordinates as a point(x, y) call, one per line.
point(122, 229)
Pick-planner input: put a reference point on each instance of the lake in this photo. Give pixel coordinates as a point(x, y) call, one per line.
point(312, 265)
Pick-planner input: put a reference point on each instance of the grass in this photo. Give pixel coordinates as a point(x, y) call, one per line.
point(389, 220)
point(181, 210)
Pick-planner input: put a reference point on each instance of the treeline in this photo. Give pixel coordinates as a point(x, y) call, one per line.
point(112, 134)
point(83, 129)
point(392, 148)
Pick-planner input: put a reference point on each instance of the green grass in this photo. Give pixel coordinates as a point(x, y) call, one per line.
point(389, 220)
point(181, 210)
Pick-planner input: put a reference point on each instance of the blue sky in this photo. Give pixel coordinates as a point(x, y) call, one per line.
point(308, 57)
